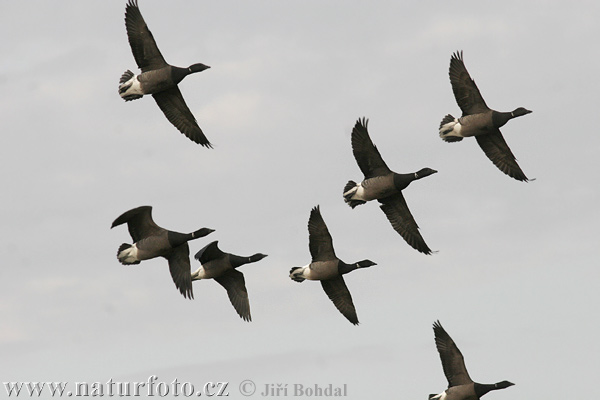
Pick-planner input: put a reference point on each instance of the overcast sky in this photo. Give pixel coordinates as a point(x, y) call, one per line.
point(515, 279)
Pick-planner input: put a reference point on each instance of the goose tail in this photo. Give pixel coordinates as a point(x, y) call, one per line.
point(349, 191)
point(447, 129)
point(127, 254)
point(125, 83)
point(296, 274)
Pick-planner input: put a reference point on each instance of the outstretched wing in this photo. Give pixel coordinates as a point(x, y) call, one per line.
point(397, 212)
point(233, 281)
point(180, 268)
point(465, 90)
point(143, 46)
point(366, 154)
point(495, 148)
point(139, 222)
point(338, 293)
point(320, 242)
point(453, 362)
point(209, 252)
point(177, 112)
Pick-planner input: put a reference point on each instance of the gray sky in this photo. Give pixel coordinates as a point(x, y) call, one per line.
point(515, 279)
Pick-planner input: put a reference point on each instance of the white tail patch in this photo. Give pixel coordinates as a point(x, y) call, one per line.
point(200, 273)
point(441, 396)
point(299, 274)
point(351, 192)
point(451, 128)
point(356, 193)
point(129, 255)
point(131, 88)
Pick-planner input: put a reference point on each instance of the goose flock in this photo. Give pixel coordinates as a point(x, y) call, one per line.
point(160, 79)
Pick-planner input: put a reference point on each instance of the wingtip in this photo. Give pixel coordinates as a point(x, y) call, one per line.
point(208, 144)
point(362, 123)
point(188, 294)
point(458, 55)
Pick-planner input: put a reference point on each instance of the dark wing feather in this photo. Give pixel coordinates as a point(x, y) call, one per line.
point(320, 242)
point(452, 359)
point(338, 293)
point(397, 212)
point(465, 90)
point(139, 222)
point(209, 252)
point(177, 112)
point(233, 281)
point(143, 46)
point(366, 154)
point(179, 266)
point(495, 148)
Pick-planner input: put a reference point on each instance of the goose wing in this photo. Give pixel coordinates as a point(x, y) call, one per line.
point(495, 148)
point(173, 105)
point(397, 212)
point(453, 362)
point(143, 46)
point(233, 281)
point(139, 223)
point(338, 293)
point(209, 252)
point(366, 154)
point(465, 90)
point(320, 242)
point(180, 268)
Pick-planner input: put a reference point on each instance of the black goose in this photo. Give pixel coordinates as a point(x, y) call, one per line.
point(479, 120)
point(327, 268)
point(151, 241)
point(221, 267)
point(460, 385)
point(158, 78)
point(384, 185)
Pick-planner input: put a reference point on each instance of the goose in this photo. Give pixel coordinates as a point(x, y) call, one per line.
point(480, 121)
point(221, 267)
point(158, 78)
point(327, 268)
point(151, 241)
point(385, 186)
point(460, 385)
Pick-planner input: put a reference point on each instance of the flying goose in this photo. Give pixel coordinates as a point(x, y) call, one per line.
point(158, 78)
point(385, 186)
point(460, 385)
point(480, 121)
point(221, 267)
point(327, 268)
point(151, 241)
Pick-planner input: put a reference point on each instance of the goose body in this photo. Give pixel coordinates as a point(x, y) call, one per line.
point(460, 385)
point(327, 268)
point(151, 241)
point(221, 266)
point(382, 184)
point(158, 78)
point(479, 121)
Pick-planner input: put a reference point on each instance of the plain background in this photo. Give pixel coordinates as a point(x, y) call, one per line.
point(515, 278)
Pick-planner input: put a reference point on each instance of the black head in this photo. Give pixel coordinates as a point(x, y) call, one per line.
point(424, 172)
point(504, 384)
point(202, 232)
point(257, 257)
point(197, 68)
point(365, 264)
point(519, 112)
